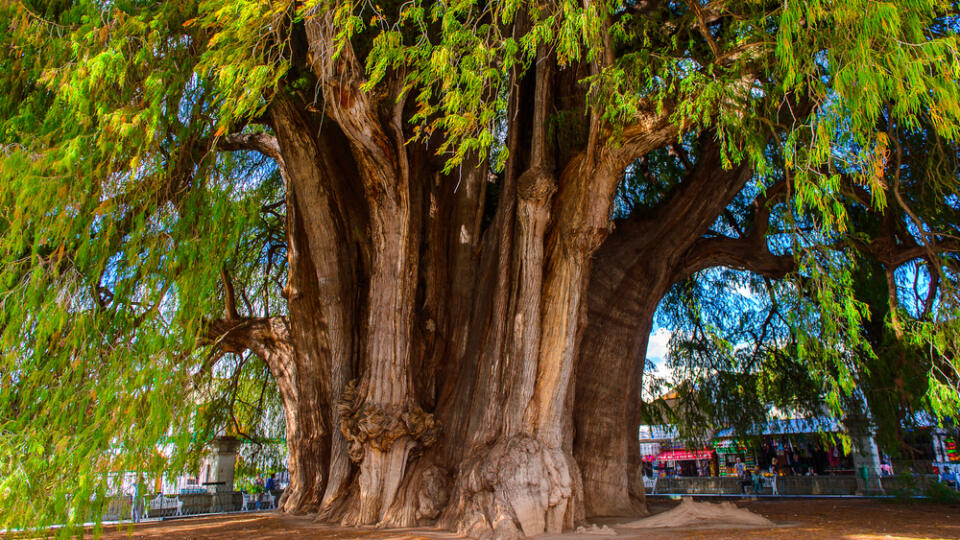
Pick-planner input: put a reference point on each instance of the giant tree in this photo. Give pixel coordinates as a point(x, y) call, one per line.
point(404, 210)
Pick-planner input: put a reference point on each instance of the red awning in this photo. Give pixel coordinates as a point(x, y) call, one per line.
point(685, 455)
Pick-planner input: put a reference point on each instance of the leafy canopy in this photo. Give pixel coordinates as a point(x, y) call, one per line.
point(119, 214)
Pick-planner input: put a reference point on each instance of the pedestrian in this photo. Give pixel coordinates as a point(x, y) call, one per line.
point(947, 477)
point(271, 483)
point(136, 508)
point(773, 479)
point(741, 471)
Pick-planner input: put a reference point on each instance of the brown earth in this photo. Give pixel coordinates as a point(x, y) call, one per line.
point(795, 518)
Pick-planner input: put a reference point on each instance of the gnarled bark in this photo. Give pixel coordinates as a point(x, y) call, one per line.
point(434, 340)
point(634, 269)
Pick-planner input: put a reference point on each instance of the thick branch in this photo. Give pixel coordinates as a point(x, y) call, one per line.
point(262, 336)
point(740, 253)
point(747, 253)
point(694, 205)
point(892, 253)
point(652, 130)
point(264, 143)
point(229, 297)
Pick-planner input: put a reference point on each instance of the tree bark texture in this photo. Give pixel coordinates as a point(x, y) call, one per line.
point(461, 349)
point(637, 265)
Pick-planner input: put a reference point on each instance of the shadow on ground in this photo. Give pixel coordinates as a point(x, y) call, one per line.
point(802, 519)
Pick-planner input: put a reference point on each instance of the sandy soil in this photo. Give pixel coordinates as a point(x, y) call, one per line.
point(794, 518)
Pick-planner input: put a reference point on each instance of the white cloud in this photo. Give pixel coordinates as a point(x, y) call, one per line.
point(657, 345)
point(657, 354)
point(744, 291)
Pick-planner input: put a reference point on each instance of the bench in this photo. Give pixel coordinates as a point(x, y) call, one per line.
point(267, 500)
point(163, 504)
point(650, 483)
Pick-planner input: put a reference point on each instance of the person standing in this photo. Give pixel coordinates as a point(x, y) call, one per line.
point(773, 479)
point(741, 471)
point(757, 481)
point(136, 502)
point(271, 483)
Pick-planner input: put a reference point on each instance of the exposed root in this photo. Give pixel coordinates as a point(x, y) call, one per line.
point(422, 496)
point(515, 489)
point(382, 438)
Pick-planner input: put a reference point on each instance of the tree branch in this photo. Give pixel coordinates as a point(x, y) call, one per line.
point(649, 132)
point(229, 297)
point(264, 143)
point(740, 253)
point(263, 336)
point(893, 252)
point(702, 26)
point(750, 252)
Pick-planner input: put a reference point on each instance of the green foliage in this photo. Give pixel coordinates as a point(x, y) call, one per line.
point(118, 215)
point(116, 218)
point(941, 493)
point(861, 61)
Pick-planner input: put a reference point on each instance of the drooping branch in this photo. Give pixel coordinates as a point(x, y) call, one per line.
point(931, 291)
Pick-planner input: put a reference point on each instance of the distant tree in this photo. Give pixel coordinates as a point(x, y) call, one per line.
point(404, 212)
point(745, 342)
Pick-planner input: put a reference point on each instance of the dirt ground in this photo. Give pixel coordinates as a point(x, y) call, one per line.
point(850, 519)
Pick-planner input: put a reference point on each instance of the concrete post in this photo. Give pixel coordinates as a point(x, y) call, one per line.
point(223, 463)
point(939, 454)
point(866, 464)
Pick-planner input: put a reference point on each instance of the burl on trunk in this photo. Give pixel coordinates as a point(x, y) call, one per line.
point(436, 320)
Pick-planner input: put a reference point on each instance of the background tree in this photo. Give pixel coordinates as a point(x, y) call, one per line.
point(404, 211)
point(745, 342)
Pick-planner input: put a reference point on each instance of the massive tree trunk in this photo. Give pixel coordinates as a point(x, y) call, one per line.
point(432, 338)
point(429, 356)
point(450, 357)
point(638, 264)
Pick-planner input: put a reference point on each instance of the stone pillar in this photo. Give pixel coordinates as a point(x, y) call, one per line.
point(939, 453)
point(223, 464)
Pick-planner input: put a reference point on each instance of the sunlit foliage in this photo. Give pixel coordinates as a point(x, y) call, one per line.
point(119, 216)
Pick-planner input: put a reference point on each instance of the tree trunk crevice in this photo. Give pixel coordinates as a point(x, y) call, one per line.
point(434, 341)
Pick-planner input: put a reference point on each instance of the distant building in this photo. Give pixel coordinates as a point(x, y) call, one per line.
point(801, 446)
